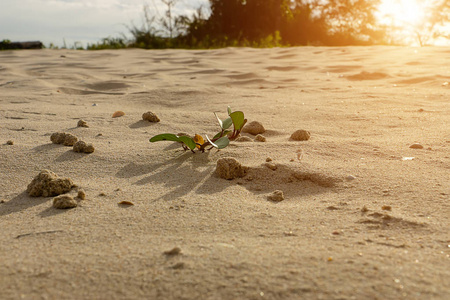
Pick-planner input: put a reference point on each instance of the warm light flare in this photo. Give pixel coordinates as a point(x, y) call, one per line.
point(403, 13)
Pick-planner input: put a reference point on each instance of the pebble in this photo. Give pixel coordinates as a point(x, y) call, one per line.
point(124, 202)
point(301, 135)
point(10, 142)
point(350, 177)
point(150, 116)
point(260, 138)
point(269, 159)
point(276, 196)
point(81, 195)
point(82, 123)
point(416, 146)
point(254, 128)
point(173, 251)
point(82, 147)
point(178, 266)
point(64, 202)
point(386, 207)
point(244, 139)
point(118, 113)
point(271, 166)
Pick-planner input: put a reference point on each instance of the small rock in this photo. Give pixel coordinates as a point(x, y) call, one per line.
point(81, 195)
point(66, 139)
point(364, 209)
point(386, 207)
point(416, 146)
point(64, 202)
point(10, 142)
point(243, 139)
point(178, 266)
point(174, 251)
point(229, 168)
point(57, 137)
point(271, 166)
point(254, 128)
point(70, 140)
point(82, 147)
point(276, 196)
point(82, 123)
point(350, 177)
point(151, 117)
point(118, 113)
point(301, 135)
point(260, 138)
point(48, 184)
point(269, 159)
point(127, 203)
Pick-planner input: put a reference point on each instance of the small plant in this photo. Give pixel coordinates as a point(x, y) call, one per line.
point(219, 141)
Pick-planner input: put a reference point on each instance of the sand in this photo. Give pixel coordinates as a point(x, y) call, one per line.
point(363, 215)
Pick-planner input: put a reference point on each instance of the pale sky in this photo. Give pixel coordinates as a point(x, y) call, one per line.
point(85, 21)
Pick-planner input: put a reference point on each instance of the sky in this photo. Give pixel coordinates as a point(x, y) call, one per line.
point(84, 21)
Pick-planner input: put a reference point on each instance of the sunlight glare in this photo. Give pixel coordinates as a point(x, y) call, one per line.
point(402, 12)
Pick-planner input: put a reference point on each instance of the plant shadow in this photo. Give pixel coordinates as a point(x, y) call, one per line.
point(179, 175)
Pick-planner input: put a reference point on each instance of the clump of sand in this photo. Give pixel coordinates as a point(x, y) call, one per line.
point(260, 138)
point(66, 139)
point(82, 123)
point(254, 128)
point(64, 202)
point(230, 168)
point(150, 116)
point(276, 196)
point(301, 135)
point(244, 139)
point(82, 147)
point(47, 184)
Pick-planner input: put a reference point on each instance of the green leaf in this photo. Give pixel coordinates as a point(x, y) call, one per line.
point(220, 143)
point(173, 137)
point(165, 137)
point(238, 119)
point(224, 134)
point(229, 110)
point(227, 123)
point(188, 141)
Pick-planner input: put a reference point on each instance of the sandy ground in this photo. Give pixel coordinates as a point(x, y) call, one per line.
point(367, 219)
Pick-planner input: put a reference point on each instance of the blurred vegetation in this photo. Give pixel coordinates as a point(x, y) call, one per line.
point(271, 23)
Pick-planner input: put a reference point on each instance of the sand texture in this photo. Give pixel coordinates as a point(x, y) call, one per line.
point(353, 212)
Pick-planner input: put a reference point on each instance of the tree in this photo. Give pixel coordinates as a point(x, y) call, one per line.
point(351, 21)
point(435, 24)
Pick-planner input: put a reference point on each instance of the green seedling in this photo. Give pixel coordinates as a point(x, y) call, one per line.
point(219, 141)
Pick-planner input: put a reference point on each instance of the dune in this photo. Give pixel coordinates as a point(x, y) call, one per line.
point(358, 213)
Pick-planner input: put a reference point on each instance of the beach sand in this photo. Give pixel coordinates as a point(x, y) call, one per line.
point(364, 216)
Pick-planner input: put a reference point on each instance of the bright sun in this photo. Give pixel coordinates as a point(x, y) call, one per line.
point(402, 13)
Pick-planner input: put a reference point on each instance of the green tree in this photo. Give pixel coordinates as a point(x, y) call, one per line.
point(351, 22)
